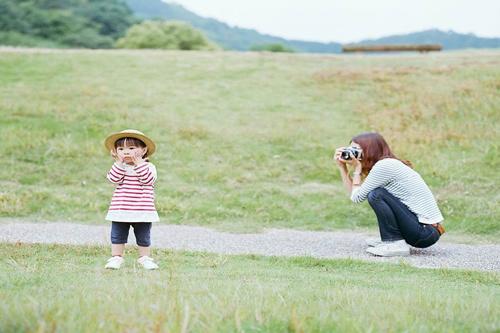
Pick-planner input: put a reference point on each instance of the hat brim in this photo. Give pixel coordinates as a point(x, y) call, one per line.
point(110, 141)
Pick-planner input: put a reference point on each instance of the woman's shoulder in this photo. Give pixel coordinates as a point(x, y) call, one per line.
point(392, 166)
point(388, 162)
point(388, 165)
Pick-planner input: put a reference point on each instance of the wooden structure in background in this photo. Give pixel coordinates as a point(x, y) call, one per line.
point(392, 48)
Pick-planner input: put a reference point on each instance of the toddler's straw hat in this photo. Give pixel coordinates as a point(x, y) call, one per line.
point(130, 133)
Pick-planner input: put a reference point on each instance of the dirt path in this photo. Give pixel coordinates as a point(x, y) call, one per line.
point(272, 242)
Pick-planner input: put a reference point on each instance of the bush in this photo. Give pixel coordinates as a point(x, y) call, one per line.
point(165, 35)
point(272, 48)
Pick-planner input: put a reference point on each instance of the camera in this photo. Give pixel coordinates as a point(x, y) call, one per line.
point(356, 152)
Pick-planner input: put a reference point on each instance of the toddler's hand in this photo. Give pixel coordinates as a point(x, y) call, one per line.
point(137, 157)
point(115, 156)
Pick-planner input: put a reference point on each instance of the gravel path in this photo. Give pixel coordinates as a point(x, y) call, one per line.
point(273, 242)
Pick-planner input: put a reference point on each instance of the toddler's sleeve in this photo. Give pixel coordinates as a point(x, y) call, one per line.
point(116, 174)
point(146, 173)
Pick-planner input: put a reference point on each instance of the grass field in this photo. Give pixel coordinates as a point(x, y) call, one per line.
point(65, 289)
point(245, 139)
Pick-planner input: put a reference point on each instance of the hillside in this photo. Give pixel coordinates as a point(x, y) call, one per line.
point(231, 38)
point(236, 38)
point(98, 24)
point(448, 39)
point(245, 140)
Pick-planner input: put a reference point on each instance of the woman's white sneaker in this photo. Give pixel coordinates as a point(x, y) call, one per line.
point(390, 249)
point(373, 241)
point(147, 262)
point(114, 262)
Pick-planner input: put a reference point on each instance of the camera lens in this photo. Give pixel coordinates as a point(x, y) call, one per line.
point(345, 155)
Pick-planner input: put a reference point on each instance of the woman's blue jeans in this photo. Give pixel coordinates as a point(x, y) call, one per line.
point(396, 221)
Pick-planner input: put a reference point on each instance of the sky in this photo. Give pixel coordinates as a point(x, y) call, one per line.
point(352, 20)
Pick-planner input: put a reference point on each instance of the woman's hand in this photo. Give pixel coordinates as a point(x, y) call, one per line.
point(356, 164)
point(342, 164)
point(337, 157)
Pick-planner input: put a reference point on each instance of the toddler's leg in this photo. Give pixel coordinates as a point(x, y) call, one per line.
point(117, 249)
point(143, 236)
point(119, 237)
point(142, 233)
point(144, 251)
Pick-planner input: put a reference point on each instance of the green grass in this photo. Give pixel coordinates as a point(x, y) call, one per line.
point(245, 140)
point(66, 289)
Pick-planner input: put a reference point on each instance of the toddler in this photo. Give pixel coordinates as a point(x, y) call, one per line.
point(132, 204)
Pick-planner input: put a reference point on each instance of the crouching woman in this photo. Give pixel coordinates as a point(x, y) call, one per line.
point(406, 210)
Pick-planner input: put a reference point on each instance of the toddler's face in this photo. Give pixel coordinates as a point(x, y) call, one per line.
point(125, 153)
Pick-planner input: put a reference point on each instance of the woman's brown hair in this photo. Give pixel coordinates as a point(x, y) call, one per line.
point(375, 148)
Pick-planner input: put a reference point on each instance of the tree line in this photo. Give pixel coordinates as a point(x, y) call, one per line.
point(95, 24)
point(90, 24)
point(64, 23)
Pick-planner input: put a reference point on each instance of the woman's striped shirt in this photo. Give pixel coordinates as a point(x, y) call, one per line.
point(133, 199)
point(405, 184)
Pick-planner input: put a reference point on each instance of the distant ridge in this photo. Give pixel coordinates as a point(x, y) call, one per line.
point(235, 38)
point(450, 40)
point(228, 37)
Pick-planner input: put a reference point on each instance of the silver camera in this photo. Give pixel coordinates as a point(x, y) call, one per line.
point(346, 153)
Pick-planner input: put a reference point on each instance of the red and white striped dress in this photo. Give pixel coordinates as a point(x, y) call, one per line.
point(133, 199)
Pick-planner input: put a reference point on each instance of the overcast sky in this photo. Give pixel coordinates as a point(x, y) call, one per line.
point(352, 20)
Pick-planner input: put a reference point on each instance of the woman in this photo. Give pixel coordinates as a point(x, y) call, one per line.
point(406, 210)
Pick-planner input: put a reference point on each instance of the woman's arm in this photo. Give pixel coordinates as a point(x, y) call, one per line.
point(349, 183)
point(379, 176)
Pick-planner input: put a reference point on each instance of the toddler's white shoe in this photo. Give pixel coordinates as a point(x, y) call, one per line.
point(114, 262)
point(373, 241)
point(147, 262)
point(390, 249)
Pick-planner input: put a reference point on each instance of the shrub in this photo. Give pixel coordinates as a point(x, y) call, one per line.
point(164, 35)
point(272, 48)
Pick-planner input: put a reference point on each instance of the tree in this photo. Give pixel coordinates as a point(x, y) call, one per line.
point(109, 17)
point(165, 35)
point(87, 38)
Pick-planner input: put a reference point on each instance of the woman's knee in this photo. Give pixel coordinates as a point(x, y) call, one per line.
point(376, 194)
point(429, 236)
